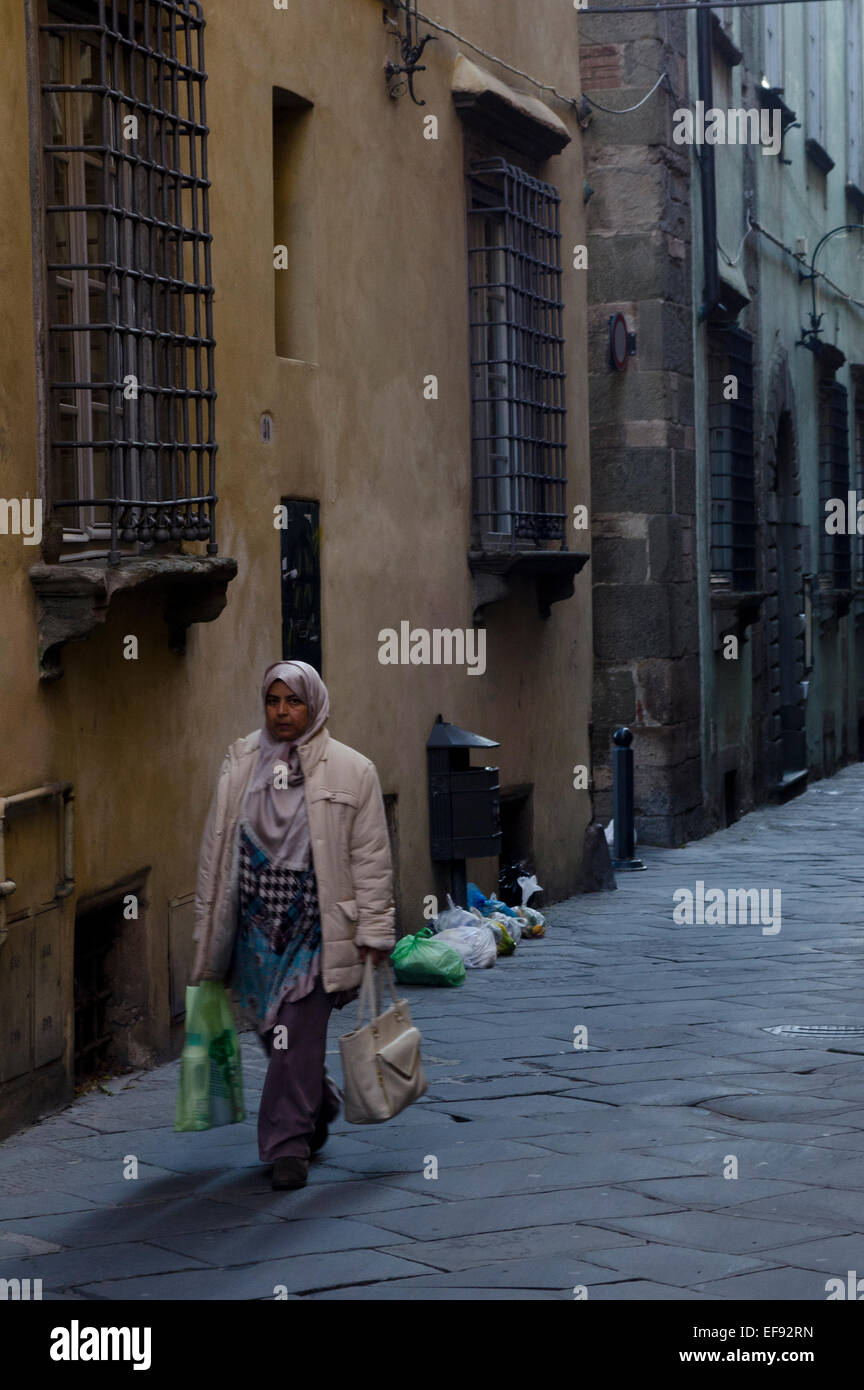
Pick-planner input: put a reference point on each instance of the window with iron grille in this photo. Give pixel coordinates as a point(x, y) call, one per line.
point(859, 484)
point(517, 355)
point(835, 562)
point(130, 447)
point(730, 434)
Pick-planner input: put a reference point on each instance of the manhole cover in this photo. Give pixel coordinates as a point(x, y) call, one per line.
point(818, 1030)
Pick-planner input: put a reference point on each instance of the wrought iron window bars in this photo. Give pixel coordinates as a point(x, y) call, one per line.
point(858, 420)
point(517, 355)
point(835, 556)
point(131, 423)
point(731, 447)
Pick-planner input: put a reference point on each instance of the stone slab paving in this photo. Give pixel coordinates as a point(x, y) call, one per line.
point(610, 1167)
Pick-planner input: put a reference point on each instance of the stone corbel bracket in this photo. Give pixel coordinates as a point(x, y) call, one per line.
point(830, 605)
point(732, 613)
point(73, 599)
point(554, 572)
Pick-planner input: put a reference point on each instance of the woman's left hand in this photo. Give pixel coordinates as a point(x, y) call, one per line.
point(377, 956)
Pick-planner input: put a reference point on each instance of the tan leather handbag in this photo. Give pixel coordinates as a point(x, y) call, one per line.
point(381, 1062)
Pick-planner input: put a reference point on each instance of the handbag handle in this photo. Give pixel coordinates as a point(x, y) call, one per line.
point(371, 989)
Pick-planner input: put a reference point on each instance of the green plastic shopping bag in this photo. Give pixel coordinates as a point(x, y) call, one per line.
point(211, 1081)
point(423, 960)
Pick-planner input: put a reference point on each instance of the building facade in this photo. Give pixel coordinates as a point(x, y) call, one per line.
point(643, 460)
point(778, 568)
point(297, 370)
point(725, 459)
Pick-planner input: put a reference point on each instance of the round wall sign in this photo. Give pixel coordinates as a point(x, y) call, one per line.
point(619, 344)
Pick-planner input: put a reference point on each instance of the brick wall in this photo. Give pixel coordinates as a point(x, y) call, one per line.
point(601, 66)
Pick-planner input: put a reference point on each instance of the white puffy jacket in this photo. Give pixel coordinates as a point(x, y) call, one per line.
point(350, 855)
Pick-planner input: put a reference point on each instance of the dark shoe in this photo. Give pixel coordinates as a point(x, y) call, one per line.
point(326, 1115)
point(320, 1135)
point(289, 1173)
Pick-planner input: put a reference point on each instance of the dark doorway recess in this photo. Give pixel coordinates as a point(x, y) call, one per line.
point(517, 833)
point(730, 797)
point(96, 934)
point(391, 811)
point(301, 582)
point(829, 743)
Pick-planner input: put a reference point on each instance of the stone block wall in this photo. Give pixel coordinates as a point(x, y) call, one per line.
point(646, 638)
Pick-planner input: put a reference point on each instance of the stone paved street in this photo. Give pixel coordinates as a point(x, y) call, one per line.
point(556, 1167)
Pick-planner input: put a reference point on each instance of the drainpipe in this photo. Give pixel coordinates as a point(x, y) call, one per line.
point(704, 52)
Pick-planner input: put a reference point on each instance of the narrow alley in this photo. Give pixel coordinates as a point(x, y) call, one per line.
point(686, 1151)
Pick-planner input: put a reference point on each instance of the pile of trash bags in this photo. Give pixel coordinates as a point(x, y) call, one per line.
point(471, 938)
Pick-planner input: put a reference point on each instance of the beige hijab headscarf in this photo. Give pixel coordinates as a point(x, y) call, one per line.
point(277, 814)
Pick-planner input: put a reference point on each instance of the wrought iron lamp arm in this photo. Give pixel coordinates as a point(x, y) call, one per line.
point(811, 334)
point(412, 52)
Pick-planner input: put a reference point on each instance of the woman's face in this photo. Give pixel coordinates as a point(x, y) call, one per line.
point(287, 716)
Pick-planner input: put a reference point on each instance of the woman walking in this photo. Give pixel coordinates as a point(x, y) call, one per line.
point(294, 888)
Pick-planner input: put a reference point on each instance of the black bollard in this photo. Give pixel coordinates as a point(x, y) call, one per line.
point(622, 802)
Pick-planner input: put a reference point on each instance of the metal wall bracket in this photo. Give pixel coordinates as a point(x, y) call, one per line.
point(412, 47)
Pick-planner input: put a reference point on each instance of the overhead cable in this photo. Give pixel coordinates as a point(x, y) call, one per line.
point(543, 86)
point(624, 110)
point(691, 5)
point(817, 274)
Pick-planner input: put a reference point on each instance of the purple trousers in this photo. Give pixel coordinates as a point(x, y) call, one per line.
point(297, 1088)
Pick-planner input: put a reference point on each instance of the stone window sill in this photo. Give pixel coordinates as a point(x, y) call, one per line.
point(724, 43)
point(855, 194)
point(772, 99)
point(819, 155)
point(831, 604)
point(73, 599)
point(494, 570)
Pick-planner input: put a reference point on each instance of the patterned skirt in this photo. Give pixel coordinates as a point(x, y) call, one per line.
point(277, 954)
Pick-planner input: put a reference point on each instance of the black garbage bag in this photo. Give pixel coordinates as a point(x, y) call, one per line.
point(508, 887)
